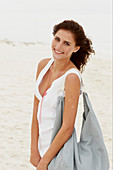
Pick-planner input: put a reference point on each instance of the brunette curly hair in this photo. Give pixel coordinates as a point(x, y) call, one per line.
point(81, 57)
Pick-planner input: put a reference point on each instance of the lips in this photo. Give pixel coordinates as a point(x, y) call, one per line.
point(57, 51)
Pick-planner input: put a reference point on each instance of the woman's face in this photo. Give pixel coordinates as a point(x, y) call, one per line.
point(63, 44)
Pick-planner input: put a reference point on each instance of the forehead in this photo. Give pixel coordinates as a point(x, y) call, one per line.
point(65, 35)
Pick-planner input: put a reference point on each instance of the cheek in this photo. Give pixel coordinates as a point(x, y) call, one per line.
point(53, 43)
point(69, 51)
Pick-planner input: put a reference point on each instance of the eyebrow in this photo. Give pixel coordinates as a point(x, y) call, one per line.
point(64, 41)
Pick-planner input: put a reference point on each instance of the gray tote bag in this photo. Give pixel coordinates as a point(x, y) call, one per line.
point(90, 152)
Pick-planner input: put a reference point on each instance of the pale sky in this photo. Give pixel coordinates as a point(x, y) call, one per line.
point(33, 20)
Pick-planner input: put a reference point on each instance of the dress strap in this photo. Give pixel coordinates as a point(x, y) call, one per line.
point(42, 73)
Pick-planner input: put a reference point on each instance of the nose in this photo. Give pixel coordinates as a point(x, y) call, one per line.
point(59, 46)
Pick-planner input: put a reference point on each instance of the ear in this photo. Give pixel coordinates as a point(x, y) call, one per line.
point(76, 49)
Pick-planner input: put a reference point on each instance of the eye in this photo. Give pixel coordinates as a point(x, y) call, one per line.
point(66, 43)
point(57, 39)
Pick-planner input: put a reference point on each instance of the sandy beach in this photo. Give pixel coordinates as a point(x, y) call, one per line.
point(18, 63)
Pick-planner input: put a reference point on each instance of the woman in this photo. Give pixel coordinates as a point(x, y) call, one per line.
point(56, 76)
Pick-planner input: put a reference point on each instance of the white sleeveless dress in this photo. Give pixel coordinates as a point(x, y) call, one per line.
point(48, 106)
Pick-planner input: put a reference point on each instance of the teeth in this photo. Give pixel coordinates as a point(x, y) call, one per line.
point(58, 52)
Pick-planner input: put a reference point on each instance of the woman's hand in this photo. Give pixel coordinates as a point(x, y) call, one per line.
point(35, 158)
point(42, 166)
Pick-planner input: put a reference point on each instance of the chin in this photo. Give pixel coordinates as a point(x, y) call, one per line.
point(57, 57)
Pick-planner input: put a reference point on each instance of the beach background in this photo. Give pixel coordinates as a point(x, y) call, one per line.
point(25, 39)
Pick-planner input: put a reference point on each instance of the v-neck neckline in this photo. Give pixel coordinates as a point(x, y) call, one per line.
point(48, 65)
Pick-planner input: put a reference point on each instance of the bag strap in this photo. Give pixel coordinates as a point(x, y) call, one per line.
point(83, 86)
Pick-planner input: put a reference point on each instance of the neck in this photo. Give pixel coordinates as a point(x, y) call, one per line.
point(60, 65)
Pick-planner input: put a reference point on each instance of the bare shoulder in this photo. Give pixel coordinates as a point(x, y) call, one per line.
point(42, 63)
point(72, 84)
point(72, 81)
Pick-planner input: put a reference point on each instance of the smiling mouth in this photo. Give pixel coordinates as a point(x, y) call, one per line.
point(58, 52)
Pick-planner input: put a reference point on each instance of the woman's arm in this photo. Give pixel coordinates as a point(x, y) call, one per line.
point(72, 92)
point(35, 155)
